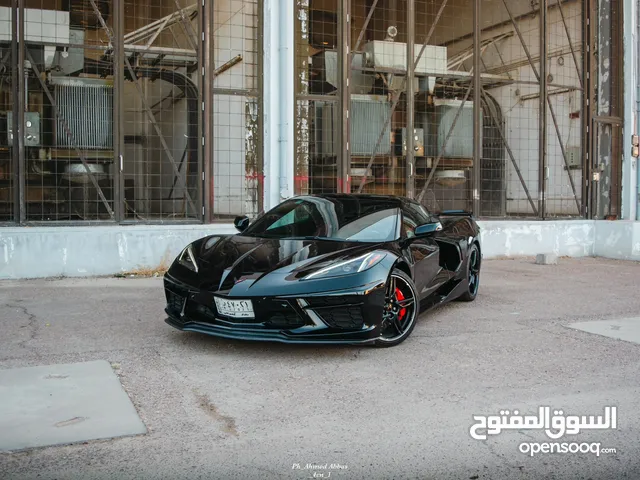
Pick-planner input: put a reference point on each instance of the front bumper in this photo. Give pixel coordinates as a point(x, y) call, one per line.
point(342, 317)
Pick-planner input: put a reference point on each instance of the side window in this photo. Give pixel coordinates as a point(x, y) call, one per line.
point(413, 215)
point(298, 214)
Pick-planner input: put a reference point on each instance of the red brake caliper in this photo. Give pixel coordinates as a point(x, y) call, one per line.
point(399, 298)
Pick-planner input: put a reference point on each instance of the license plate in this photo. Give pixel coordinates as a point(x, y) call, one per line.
point(234, 308)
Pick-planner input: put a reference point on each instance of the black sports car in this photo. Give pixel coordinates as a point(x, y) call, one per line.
point(337, 268)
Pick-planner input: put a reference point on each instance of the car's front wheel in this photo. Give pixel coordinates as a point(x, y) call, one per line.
point(401, 308)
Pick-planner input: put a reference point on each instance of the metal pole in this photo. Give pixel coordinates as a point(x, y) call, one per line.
point(366, 24)
point(344, 27)
point(410, 133)
point(205, 118)
point(18, 120)
point(542, 148)
point(587, 144)
point(118, 110)
point(17, 147)
point(477, 107)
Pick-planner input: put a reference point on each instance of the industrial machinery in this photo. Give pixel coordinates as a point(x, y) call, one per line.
point(70, 164)
point(443, 122)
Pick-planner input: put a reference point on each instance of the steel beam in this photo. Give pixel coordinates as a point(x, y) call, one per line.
point(118, 110)
point(344, 92)
point(410, 95)
point(191, 35)
point(477, 107)
point(199, 46)
point(17, 78)
point(207, 60)
point(366, 24)
point(573, 50)
point(542, 133)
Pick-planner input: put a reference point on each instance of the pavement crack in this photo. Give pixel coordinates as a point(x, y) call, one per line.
point(228, 423)
point(32, 324)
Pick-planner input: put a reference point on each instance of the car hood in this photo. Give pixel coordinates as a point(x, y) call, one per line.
point(237, 258)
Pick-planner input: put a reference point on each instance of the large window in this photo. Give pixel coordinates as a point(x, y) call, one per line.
point(113, 111)
point(488, 116)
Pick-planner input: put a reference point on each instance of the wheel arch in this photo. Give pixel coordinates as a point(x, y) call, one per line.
point(403, 266)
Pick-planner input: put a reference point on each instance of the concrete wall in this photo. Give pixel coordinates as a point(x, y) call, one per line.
point(619, 240)
point(91, 251)
point(32, 252)
point(506, 238)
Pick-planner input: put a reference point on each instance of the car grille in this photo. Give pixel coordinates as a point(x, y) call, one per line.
point(175, 302)
point(346, 318)
point(284, 320)
point(333, 300)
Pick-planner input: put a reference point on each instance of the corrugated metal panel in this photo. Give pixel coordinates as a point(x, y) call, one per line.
point(369, 114)
point(88, 111)
point(438, 124)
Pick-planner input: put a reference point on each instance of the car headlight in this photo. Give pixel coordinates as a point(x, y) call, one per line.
point(188, 259)
point(347, 267)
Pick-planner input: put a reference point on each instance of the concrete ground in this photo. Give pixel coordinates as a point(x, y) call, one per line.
point(217, 408)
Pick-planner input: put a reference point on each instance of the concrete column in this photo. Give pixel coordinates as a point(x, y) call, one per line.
point(278, 101)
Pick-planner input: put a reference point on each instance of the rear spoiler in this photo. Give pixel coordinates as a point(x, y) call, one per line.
point(455, 213)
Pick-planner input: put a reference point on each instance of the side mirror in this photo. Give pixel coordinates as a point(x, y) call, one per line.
point(241, 223)
point(428, 228)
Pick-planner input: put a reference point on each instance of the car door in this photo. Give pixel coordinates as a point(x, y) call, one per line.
point(423, 252)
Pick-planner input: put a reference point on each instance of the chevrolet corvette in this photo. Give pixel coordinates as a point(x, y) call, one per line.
point(334, 268)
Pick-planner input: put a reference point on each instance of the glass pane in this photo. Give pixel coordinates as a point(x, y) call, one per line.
point(237, 166)
point(317, 83)
point(7, 67)
point(69, 155)
point(162, 151)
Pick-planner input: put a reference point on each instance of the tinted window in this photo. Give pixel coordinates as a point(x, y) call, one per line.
point(353, 219)
point(414, 215)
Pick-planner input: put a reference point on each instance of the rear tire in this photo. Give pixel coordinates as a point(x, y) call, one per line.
point(400, 310)
point(473, 275)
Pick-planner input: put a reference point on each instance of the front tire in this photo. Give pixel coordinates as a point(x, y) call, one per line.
point(401, 310)
point(473, 275)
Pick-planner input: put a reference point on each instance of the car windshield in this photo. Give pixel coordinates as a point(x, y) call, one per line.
point(351, 219)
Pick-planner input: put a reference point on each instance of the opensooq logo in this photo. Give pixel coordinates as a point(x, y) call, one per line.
point(555, 426)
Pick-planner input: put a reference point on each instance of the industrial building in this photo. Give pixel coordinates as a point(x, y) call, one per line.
point(128, 127)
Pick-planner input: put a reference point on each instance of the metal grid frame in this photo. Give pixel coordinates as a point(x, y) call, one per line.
point(196, 23)
point(564, 30)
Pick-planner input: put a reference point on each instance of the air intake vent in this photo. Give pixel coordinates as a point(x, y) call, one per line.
point(87, 109)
